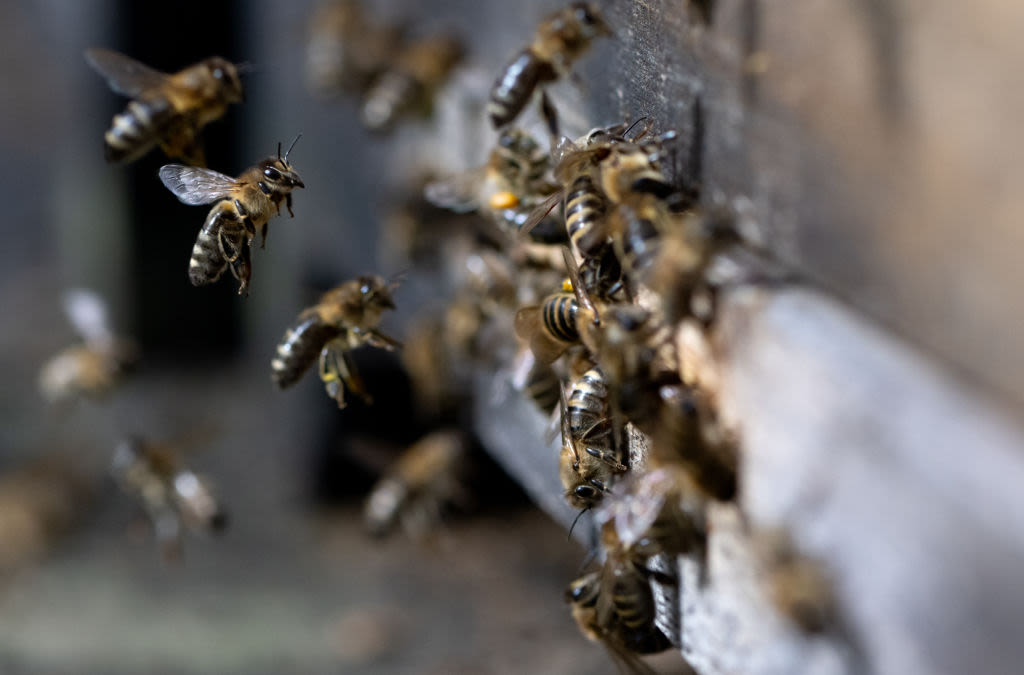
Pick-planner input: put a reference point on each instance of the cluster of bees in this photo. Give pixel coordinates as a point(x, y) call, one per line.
point(585, 275)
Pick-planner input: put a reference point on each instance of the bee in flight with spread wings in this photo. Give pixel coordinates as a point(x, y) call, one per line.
point(243, 206)
point(166, 109)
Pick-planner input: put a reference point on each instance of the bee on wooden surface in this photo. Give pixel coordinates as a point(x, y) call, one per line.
point(615, 607)
point(505, 188)
point(94, 367)
point(172, 495)
point(416, 488)
point(242, 206)
point(561, 38)
point(169, 110)
point(344, 318)
point(40, 501)
point(346, 50)
point(587, 466)
point(418, 71)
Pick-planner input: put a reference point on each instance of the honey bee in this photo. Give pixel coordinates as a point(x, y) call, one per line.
point(242, 206)
point(344, 318)
point(94, 367)
point(416, 488)
point(172, 495)
point(506, 188)
point(587, 466)
point(538, 381)
point(550, 328)
point(346, 50)
point(169, 110)
point(419, 70)
point(797, 585)
point(560, 40)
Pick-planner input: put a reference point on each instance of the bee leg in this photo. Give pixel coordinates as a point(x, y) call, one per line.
point(378, 339)
point(608, 457)
point(250, 229)
point(288, 203)
point(352, 378)
point(330, 376)
point(550, 115)
point(241, 269)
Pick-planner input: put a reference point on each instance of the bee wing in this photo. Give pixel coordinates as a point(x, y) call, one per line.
point(582, 295)
point(124, 74)
point(528, 327)
point(193, 185)
point(459, 192)
point(541, 212)
point(88, 314)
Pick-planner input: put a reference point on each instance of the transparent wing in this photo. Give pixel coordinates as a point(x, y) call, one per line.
point(124, 74)
point(88, 314)
point(194, 186)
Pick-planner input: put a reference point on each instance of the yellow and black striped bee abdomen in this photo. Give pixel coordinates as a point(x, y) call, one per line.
point(558, 314)
point(300, 348)
point(543, 386)
point(584, 210)
point(135, 131)
point(207, 262)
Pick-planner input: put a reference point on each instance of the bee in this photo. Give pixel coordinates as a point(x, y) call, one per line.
point(242, 206)
point(419, 70)
point(798, 585)
point(587, 466)
point(538, 381)
point(94, 367)
point(172, 495)
point(344, 318)
point(421, 482)
point(169, 110)
point(560, 40)
point(615, 607)
point(550, 328)
point(506, 188)
point(346, 50)
point(40, 501)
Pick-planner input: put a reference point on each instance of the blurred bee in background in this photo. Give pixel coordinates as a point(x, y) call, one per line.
point(40, 501)
point(797, 585)
point(344, 318)
point(538, 381)
point(172, 495)
point(242, 206)
point(417, 487)
point(409, 84)
point(169, 110)
point(561, 38)
point(506, 188)
point(94, 367)
point(346, 50)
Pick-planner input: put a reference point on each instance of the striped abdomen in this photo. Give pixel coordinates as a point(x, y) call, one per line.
point(512, 91)
point(584, 209)
point(135, 131)
point(588, 407)
point(632, 599)
point(220, 231)
point(639, 241)
point(558, 314)
point(300, 347)
point(543, 386)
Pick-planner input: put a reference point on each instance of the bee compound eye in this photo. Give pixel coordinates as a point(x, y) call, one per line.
point(585, 491)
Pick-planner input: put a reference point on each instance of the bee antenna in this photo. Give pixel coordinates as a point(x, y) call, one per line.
point(575, 520)
point(645, 118)
point(289, 148)
point(397, 279)
point(246, 67)
point(279, 151)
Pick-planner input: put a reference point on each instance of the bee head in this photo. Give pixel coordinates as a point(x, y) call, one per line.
point(279, 174)
point(376, 292)
point(225, 74)
point(590, 20)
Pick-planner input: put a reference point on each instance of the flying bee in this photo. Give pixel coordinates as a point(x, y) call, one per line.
point(505, 188)
point(344, 318)
point(346, 50)
point(421, 482)
point(419, 70)
point(94, 367)
point(172, 495)
point(242, 206)
point(560, 40)
point(169, 110)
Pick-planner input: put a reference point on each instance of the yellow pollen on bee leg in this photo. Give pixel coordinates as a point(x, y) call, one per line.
point(504, 200)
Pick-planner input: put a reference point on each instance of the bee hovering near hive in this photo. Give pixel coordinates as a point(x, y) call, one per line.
point(166, 110)
point(94, 367)
point(171, 494)
point(419, 70)
point(345, 317)
point(243, 206)
point(345, 49)
point(561, 38)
